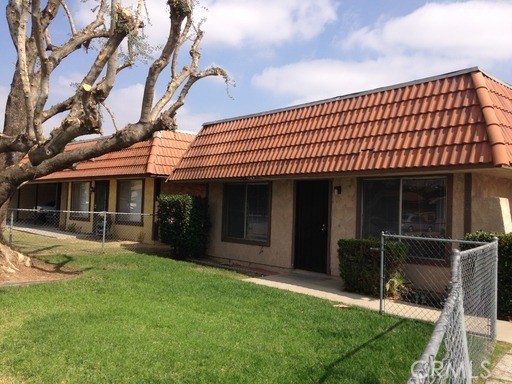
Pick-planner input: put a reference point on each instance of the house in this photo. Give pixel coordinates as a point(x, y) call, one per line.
point(428, 157)
point(126, 181)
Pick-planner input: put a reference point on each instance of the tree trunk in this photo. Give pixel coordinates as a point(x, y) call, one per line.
point(14, 124)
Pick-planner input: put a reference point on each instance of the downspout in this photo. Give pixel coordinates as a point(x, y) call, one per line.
point(494, 133)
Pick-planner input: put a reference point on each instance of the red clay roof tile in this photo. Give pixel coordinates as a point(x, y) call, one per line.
point(459, 119)
point(156, 157)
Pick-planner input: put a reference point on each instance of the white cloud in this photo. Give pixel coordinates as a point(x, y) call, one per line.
point(434, 39)
point(319, 79)
point(241, 22)
point(4, 91)
point(477, 30)
point(193, 121)
point(125, 104)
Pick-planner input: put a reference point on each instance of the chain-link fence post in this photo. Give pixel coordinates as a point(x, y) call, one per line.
point(494, 310)
point(381, 287)
point(458, 354)
point(10, 228)
point(104, 231)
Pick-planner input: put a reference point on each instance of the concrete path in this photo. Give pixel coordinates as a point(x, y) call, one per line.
point(502, 372)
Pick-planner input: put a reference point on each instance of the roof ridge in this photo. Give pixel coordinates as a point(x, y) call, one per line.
point(494, 133)
point(350, 95)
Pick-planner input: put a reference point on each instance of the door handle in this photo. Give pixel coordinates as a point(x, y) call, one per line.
point(323, 227)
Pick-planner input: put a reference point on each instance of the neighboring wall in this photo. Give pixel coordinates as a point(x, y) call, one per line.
point(490, 203)
point(343, 217)
point(457, 207)
point(279, 253)
point(131, 232)
point(194, 189)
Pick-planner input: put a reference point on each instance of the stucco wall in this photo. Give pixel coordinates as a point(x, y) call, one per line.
point(141, 233)
point(343, 217)
point(457, 207)
point(279, 253)
point(490, 203)
point(194, 189)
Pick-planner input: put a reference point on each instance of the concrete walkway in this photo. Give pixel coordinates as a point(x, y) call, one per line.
point(326, 287)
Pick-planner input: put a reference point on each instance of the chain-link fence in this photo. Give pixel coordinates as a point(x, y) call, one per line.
point(430, 279)
point(42, 231)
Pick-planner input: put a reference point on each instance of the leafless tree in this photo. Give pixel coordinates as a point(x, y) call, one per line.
point(25, 152)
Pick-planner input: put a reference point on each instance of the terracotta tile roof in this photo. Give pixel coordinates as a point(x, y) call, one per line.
point(458, 119)
point(154, 157)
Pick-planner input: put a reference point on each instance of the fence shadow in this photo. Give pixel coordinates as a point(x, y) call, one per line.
point(330, 368)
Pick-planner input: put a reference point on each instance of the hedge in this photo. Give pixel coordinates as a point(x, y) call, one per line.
point(184, 223)
point(360, 265)
point(504, 269)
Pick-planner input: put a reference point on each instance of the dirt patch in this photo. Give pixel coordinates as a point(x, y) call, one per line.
point(40, 271)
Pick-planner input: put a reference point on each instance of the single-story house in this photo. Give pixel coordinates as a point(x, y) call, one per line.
point(126, 181)
point(428, 157)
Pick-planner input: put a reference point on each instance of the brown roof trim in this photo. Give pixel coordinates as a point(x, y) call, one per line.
point(494, 133)
point(426, 171)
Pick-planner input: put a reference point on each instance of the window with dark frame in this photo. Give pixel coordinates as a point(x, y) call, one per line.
point(80, 200)
point(246, 212)
point(404, 206)
point(130, 201)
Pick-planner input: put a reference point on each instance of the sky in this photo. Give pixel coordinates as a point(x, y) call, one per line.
point(288, 52)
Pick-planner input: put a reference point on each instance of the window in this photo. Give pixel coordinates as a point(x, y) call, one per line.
point(407, 206)
point(246, 212)
point(129, 201)
point(80, 194)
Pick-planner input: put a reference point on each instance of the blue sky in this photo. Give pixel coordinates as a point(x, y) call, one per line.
point(286, 52)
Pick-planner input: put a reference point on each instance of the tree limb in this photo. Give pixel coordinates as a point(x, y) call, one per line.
point(179, 10)
point(69, 16)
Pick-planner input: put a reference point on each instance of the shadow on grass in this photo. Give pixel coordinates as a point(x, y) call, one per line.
point(331, 367)
point(58, 267)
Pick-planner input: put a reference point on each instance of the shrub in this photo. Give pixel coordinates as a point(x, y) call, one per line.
point(183, 223)
point(504, 269)
point(360, 265)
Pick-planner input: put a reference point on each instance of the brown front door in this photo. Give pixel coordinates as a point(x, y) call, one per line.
point(311, 225)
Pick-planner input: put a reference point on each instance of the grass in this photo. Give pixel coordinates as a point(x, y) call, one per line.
point(134, 318)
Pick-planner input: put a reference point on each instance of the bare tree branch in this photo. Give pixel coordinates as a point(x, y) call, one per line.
point(69, 16)
point(44, 78)
point(112, 116)
point(179, 11)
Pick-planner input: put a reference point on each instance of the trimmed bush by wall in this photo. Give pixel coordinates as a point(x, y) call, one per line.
point(504, 269)
point(184, 223)
point(360, 265)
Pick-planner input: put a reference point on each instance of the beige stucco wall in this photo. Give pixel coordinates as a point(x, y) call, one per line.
point(141, 233)
point(457, 205)
point(279, 253)
point(490, 203)
point(343, 217)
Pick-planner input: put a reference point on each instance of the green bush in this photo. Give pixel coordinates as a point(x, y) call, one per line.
point(184, 223)
point(504, 269)
point(360, 265)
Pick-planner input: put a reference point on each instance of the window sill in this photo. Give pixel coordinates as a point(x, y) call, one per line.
point(130, 223)
point(246, 242)
point(80, 218)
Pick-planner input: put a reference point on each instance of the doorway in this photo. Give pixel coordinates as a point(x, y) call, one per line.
point(311, 225)
point(100, 196)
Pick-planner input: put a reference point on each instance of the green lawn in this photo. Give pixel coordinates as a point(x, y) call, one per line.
point(136, 318)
